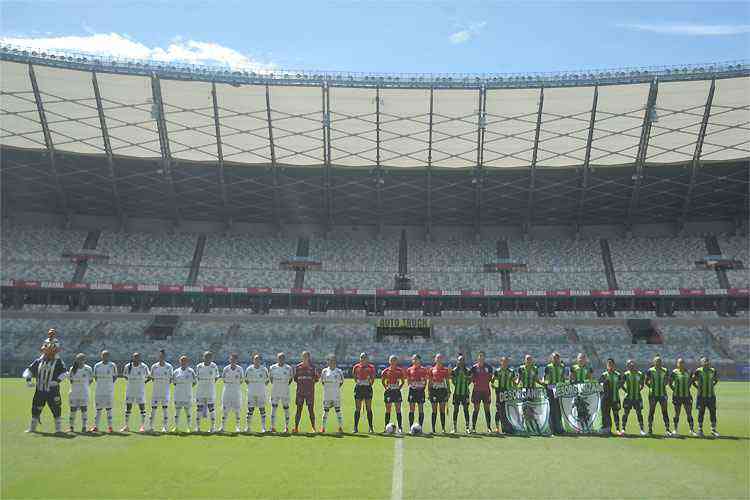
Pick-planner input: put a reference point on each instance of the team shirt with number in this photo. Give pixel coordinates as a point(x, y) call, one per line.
point(183, 379)
point(480, 377)
point(416, 376)
point(611, 383)
point(632, 381)
point(256, 380)
point(207, 375)
point(439, 376)
point(332, 378)
point(554, 374)
point(79, 384)
point(580, 373)
point(305, 376)
point(706, 379)
point(363, 373)
point(105, 374)
point(135, 390)
point(393, 377)
point(680, 383)
point(503, 379)
point(461, 378)
point(281, 376)
point(528, 376)
point(233, 377)
point(161, 380)
point(657, 380)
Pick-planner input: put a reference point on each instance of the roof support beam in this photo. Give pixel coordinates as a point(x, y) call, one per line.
point(327, 177)
point(640, 160)
point(532, 168)
point(108, 151)
point(695, 165)
point(428, 225)
point(274, 166)
point(587, 159)
point(62, 197)
point(166, 153)
point(478, 171)
point(379, 181)
point(220, 158)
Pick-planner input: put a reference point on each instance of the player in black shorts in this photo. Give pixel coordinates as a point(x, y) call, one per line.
point(438, 382)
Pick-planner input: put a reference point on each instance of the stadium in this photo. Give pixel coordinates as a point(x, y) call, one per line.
point(151, 206)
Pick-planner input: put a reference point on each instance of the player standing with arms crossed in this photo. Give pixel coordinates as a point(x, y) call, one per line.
point(281, 375)
point(161, 376)
point(416, 376)
point(183, 378)
point(80, 377)
point(392, 379)
point(481, 374)
point(657, 380)
point(364, 376)
point(705, 380)
point(137, 375)
point(503, 380)
point(680, 382)
point(305, 375)
point(205, 394)
point(461, 378)
point(332, 379)
point(632, 382)
point(437, 385)
point(256, 377)
point(105, 374)
point(231, 397)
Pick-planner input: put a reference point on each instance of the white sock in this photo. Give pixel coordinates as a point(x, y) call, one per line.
point(84, 418)
point(325, 417)
point(263, 419)
point(273, 416)
point(34, 423)
point(165, 415)
point(286, 416)
point(339, 417)
point(58, 424)
point(98, 417)
point(109, 417)
point(72, 417)
point(250, 412)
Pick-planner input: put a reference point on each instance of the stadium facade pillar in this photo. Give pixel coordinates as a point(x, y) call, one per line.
point(62, 197)
point(111, 170)
point(640, 160)
point(428, 221)
point(220, 158)
point(327, 174)
point(274, 166)
point(379, 181)
point(478, 171)
point(532, 167)
point(166, 154)
point(695, 164)
point(586, 171)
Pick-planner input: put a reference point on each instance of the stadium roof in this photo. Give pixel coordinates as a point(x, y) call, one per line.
point(86, 135)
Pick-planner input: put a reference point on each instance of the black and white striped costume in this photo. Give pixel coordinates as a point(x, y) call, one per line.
point(48, 373)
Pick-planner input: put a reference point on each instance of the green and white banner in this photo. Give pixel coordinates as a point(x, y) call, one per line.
point(527, 411)
point(580, 407)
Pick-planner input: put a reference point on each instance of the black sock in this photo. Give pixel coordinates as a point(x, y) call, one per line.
point(398, 419)
point(474, 418)
point(442, 420)
point(488, 418)
point(411, 418)
point(387, 418)
point(421, 418)
point(433, 418)
point(369, 417)
point(455, 417)
point(497, 419)
point(356, 419)
point(466, 414)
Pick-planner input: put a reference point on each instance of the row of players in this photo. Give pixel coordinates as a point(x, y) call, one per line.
point(437, 382)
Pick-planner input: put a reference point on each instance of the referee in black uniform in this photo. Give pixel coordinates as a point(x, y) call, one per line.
point(49, 372)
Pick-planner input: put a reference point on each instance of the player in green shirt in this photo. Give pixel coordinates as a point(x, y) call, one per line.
point(554, 373)
point(528, 374)
point(611, 381)
point(705, 380)
point(680, 382)
point(461, 378)
point(632, 383)
point(503, 379)
point(581, 372)
point(657, 380)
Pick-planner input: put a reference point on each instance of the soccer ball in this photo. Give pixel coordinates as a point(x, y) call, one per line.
point(390, 428)
point(416, 429)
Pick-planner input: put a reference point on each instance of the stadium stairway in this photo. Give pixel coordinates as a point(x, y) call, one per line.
point(92, 240)
point(609, 269)
point(713, 248)
point(303, 250)
point(503, 252)
point(195, 264)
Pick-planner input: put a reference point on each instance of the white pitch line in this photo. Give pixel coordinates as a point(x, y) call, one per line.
point(397, 484)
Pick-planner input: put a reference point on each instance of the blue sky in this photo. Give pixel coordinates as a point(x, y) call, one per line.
point(391, 36)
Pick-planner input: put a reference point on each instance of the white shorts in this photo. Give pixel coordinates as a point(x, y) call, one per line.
point(206, 394)
point(256, 400)
point(231, 400)
point(280, 400)
point(331, 403)
point(136, 398)
point(103, 401)
point(160, 398)
point(183, 404)
point(205, 401)
point(76, 401)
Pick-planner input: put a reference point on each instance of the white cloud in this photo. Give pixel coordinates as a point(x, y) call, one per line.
point(467, 33)
point(122, 46)
point(691, 29)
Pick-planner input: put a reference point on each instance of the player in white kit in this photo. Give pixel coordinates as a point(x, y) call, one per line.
point(231, 398)
point(332, 379)
point(256, 377)
point(183, 378)
point(205, 394)
point(161, 377)
point(137, 374)
point(105, 374)
point(281, 375)
point(80, 377)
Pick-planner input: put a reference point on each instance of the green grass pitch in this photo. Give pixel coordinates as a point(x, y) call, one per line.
point(362, 466)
